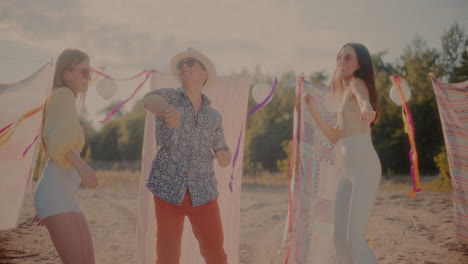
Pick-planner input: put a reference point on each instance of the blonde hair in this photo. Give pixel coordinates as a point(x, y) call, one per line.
point(66, 61)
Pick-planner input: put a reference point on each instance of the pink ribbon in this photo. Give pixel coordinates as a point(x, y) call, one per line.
point(114, 110)
point(30, 145)
point(412, 151)
point(117, 108)
point(6, 127)
point(292, 164)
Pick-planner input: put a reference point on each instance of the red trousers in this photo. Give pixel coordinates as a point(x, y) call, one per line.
point(206, 226)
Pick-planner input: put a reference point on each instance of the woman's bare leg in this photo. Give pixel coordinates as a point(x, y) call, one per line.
point(68, 237)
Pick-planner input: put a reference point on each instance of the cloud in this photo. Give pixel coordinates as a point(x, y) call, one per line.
point(279, 35)
point(148, 33)
point(45, 19)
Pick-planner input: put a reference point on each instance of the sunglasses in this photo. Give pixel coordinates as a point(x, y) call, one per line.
point(346, 57)
point(84, 72)
point(190, 62)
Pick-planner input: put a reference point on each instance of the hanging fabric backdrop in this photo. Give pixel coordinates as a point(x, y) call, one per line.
point(452, 100)
point(20, 118)
point(313, 191)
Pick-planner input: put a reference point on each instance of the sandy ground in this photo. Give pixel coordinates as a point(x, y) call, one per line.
point(402, 229)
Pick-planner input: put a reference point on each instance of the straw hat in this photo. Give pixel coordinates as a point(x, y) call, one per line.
point(193, 53)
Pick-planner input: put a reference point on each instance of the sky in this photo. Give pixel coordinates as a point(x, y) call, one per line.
point(276, 35)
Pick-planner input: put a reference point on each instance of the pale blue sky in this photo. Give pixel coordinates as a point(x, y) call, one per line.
point(278, 35)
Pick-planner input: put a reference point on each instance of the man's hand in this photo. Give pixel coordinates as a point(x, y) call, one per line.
point(224, 158)
point(172, 117)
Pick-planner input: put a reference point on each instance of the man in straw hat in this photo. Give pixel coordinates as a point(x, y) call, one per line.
point(190, 135)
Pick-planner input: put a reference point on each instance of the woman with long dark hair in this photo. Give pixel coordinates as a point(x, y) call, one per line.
point(361, 171)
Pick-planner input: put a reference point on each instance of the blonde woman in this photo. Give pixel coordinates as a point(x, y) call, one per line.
point(361, 171)
point(63, 140)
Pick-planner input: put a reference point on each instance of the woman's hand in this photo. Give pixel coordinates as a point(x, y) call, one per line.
point(309, 100)
point(368, 116)
point(331, 133)
point(87, 174)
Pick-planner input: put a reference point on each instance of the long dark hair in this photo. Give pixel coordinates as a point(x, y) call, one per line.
point(365, 72)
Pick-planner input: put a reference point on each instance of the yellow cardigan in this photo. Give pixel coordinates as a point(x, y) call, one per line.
point(62, 131)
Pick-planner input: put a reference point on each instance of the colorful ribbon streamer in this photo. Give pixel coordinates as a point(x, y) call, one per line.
point(30, 145)
point(117, 108)
point(292, 163)
point(94, 79)
point(7, 131)
point(409, 129)
point(251, 112)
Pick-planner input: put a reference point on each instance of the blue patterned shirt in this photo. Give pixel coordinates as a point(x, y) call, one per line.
point(186, 153)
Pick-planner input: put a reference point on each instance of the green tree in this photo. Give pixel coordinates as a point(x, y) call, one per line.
point(454, 49)
point(105, 144)
point(133, 126)
point(106, 110)
point(417, 61)
point(319, 77)
point(266, 129)
point(119, 139)
point(460, 73)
